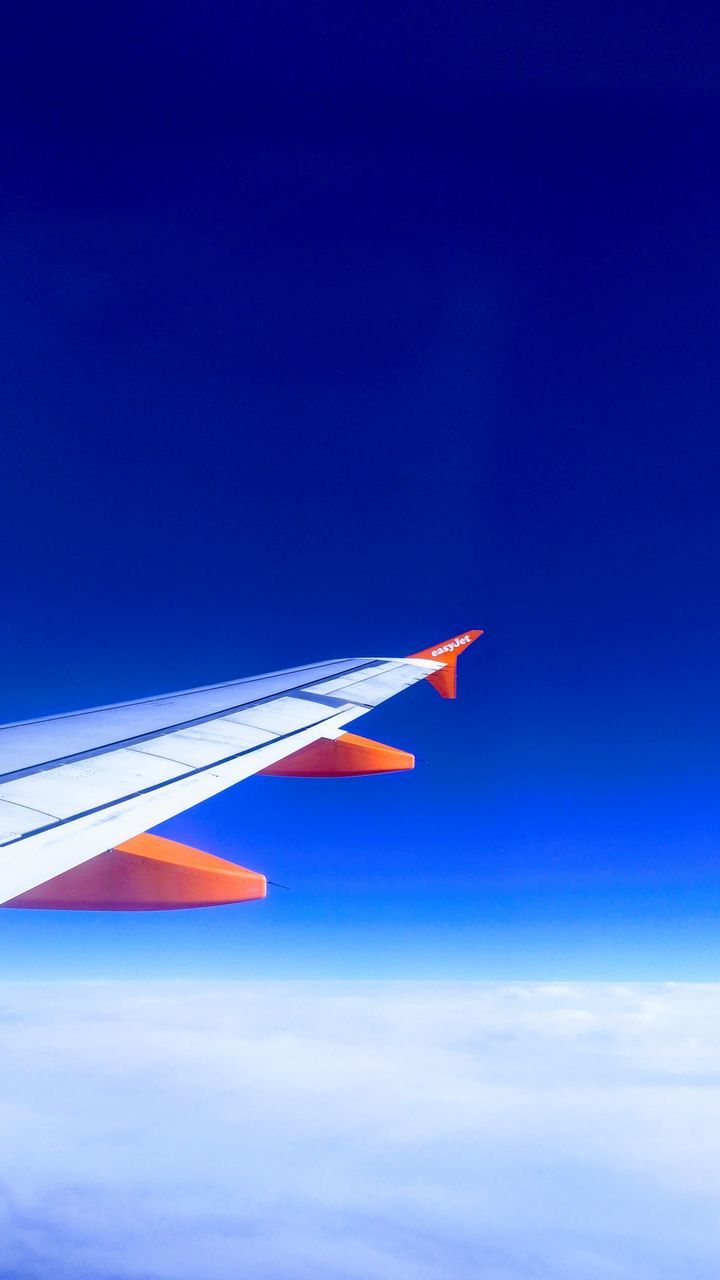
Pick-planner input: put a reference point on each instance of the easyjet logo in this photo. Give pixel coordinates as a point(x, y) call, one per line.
point(451, 644)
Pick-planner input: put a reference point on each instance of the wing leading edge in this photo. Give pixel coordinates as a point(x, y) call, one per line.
point(75, 788)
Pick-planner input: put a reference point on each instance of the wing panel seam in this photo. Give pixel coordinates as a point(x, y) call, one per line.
point(74, 757)
point(156, 786)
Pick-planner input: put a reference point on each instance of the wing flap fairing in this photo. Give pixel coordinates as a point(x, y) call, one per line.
point(148, 873)
point(347, 756)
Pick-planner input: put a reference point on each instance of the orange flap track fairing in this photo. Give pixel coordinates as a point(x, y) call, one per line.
point(348, 756)
point(146, 873)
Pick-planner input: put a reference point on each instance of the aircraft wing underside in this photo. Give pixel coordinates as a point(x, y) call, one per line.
point(74, 786)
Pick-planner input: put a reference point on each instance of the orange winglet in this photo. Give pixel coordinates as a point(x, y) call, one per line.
point(445, 680)
point(348, 756)
point(147, 873)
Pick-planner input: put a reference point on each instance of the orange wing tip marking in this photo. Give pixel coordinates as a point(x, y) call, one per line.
point(348, 756)
point(448, 652)
point(147, 873)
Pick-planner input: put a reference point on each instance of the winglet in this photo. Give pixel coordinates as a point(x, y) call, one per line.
point(445, 679)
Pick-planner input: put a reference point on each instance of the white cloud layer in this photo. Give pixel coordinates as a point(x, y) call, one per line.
point(360, 1131)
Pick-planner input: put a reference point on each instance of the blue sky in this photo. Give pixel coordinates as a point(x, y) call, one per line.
point(324, 339)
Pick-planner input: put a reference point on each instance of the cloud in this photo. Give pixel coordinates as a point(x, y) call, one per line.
point(340, 1131)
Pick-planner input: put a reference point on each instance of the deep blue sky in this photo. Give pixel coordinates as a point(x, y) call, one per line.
point(330, 331)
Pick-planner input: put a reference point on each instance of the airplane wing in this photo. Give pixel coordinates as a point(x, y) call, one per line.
point(78, 792)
